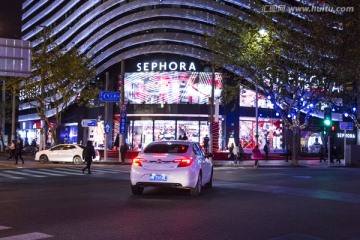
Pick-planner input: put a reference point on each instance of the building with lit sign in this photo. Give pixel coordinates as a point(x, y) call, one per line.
point(155, 53)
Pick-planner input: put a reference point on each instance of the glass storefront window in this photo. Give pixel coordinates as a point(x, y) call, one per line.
point(142, 135)
point(270, 130)
point(311, 141)
point(248, 99)
point(190, 128)
point(141, 132)
point(96, 135)
point(164, 130)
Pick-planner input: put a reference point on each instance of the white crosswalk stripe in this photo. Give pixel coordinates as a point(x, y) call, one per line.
point(24, 174)
point(26, 236)
point(42, 172)
point(19, 174)
point(10, 176)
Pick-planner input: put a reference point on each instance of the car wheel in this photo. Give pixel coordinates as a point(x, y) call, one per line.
point(209, 184)
point(136, 190)
point(196, 191)
point(77, 160)
point(43, 159)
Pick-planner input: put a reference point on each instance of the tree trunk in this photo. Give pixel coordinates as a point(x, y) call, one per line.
point(295, 147)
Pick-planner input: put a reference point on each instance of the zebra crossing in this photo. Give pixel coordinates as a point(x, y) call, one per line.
point(24, 173)
point(26, 236)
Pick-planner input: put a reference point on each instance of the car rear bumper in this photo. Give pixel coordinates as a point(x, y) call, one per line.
point(180, 178)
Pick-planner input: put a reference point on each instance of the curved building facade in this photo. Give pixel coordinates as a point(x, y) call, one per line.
point(155, 53)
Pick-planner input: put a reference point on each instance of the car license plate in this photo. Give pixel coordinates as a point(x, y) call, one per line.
point(158, 177)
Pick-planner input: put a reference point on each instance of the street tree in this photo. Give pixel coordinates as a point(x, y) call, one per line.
point(346, 98)
point(60, 77)
point(290, 58)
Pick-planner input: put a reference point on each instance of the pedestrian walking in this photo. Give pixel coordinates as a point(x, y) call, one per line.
point(266, 151)
point(18, 151)
point(235, 153)
point(321, 154)
point(231, 151)
point(116, 142)
point(206, 144)
point(88, 154)
point(123, 149)
point(287, 152)
point(332, 153)
point(240, 153)
point(12, 149)
point(256, 154)
point(338, 153)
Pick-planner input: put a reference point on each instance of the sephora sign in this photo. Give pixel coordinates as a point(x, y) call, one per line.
point(165, 66)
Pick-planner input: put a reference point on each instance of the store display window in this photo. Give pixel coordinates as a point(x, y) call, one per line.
point(311, 141)
point(140, 133)
point(270, 130)
point(97, 135)
point(248, 99)
point(190, 128)
point(164, 130)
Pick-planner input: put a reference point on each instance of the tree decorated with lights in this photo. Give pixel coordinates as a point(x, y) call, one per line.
point(346, 97)
point(291, 60)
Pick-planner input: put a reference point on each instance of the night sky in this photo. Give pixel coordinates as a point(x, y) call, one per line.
point(10, 19)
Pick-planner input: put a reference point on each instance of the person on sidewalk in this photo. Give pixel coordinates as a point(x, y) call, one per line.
point(240, 153)
point(18, 151)
point(88, 154)
point(321, 154)
point(123, 149)
point(235, 153)
point(266, 151)
point(256, 154)
point(338, 153)
point(12, 149)
point(287, 152)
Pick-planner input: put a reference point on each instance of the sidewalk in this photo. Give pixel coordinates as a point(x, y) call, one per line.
point(217, 163)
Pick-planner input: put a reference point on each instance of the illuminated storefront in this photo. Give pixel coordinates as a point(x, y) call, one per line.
point(143, 132)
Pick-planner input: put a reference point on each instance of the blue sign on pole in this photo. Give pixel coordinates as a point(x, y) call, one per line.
point(122, 122)
point(88, 122)
point(107, 128)
point(106, 96)
point(346, 126)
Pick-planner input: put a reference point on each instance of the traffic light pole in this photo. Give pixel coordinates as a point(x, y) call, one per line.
point(329, 150)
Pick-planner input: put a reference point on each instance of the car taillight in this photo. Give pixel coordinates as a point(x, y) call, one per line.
point(137, 161)
point(183, 162)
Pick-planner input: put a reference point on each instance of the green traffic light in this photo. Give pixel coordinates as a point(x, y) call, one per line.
point(327, 122)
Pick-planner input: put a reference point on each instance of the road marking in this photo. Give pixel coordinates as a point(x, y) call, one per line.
point(304, 192)
point(104, 170)
point(10, 176)
point(56, 172)
point(24, 173)
point(4, 227)
point(42, 172)
point(61, 171)
point(28, 236)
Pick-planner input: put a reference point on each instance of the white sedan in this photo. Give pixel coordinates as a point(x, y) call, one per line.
point(63, 153)
point(179, 164)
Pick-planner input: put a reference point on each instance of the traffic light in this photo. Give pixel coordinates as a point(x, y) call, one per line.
point(327, 117)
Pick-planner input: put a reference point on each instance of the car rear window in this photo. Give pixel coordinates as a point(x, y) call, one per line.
point(166, 148)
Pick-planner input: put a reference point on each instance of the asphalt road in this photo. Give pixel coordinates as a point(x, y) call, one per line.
point(245, 203)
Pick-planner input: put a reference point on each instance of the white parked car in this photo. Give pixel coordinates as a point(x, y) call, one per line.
point(63, 153)
point(179, 164)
